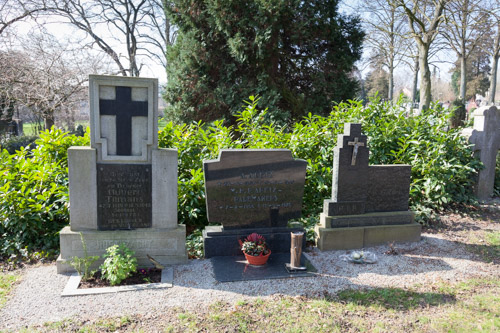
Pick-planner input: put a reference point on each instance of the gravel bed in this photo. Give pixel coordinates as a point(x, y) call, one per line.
point(36, 299)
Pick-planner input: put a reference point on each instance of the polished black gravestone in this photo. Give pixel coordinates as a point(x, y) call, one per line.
point(252, 190)
point(124, 198)
point(236, 268)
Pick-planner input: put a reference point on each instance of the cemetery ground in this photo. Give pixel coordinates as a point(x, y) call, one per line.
point(449, 281)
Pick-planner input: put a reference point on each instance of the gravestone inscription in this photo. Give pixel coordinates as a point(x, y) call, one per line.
point(123, 196)
point(254, 188)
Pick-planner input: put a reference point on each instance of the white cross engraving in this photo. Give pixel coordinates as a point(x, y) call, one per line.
point(356, 144)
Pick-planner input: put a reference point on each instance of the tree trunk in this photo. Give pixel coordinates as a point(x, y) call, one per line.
point(425, 77)
point(463, 78)
point(493, 80)
point(48, 122)
point(391, 79)
point(415, 83)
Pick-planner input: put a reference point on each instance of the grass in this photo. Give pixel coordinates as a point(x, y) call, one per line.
point(487, 245)
point(7, 282)
point(470, 306)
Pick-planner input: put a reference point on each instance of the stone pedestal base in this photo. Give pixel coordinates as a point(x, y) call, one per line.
point(360, 237)
point(219, 242)
point(168, 246)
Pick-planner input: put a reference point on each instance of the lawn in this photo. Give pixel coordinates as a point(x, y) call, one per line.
point(469, 306)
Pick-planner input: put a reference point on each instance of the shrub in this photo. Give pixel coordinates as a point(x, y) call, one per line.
point(34, 192)
point(119, 264)
point(14, 143)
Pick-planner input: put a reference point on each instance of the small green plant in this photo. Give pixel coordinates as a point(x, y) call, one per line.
point(82, 265)
point(119, 264)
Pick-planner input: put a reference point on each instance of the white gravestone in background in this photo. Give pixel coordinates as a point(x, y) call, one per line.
point(485, 135)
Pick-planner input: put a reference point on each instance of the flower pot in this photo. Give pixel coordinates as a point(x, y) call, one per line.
point(257, 261)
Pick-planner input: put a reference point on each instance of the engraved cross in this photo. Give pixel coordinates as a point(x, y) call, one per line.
point(124, 109)
point(356, 145)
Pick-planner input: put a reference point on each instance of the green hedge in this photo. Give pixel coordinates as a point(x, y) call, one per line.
point(34, 192)
point(34, 184)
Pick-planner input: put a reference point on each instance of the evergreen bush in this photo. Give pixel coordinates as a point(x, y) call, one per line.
point(34, 185)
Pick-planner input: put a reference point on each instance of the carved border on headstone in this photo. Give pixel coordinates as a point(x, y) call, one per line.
point(98, 141)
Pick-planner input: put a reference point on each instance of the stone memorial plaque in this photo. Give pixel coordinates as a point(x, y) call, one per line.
point(124, 196)
point(249, 188)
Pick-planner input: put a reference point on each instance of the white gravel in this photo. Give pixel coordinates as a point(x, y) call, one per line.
point(36, 299)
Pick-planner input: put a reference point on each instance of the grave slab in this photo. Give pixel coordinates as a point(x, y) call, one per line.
point(236, 268)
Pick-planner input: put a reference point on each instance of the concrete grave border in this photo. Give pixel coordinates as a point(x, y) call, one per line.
point(71, 289)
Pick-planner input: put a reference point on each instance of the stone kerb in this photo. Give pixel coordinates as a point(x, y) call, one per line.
point(485, 136)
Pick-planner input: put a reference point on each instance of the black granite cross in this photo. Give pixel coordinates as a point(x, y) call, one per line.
point(124, 109)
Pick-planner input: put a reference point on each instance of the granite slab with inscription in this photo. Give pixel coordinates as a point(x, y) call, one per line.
point(254, 188)
point(124, 196)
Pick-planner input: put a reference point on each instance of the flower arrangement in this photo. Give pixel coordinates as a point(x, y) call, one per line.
point(255, 245)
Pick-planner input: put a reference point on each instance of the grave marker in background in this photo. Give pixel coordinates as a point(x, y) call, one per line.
point(485, 135)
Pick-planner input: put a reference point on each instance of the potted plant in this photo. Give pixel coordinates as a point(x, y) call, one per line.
point(255, 249)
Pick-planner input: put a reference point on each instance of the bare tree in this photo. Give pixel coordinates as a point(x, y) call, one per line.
point(14, 11)
point(424, 19)
point(387, 30)
point(495, 52)
point(465, 21)
point(135, 25)
point(46, 76)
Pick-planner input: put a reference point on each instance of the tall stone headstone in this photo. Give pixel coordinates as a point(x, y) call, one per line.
point(123, 188)
point(252, 190)
point(369, 203)
point(485, 136)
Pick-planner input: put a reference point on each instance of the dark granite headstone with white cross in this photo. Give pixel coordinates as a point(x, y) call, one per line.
point(363, 195)
point(123, 189)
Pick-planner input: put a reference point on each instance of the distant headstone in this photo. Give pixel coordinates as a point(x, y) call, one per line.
point(365, 196)
point(252, 190)
point(123, 189)
point(485, 136)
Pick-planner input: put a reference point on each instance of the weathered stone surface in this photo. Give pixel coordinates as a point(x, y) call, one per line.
point(164, 188)
point(349, 181)
point(486, 139)
point(82, 188)
point(332, 208)
point(362, 237)
point(123, 112)
point(168, 246)
point(252, 188)
point(123, 189)
point(124, 196)
point(369, 219)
